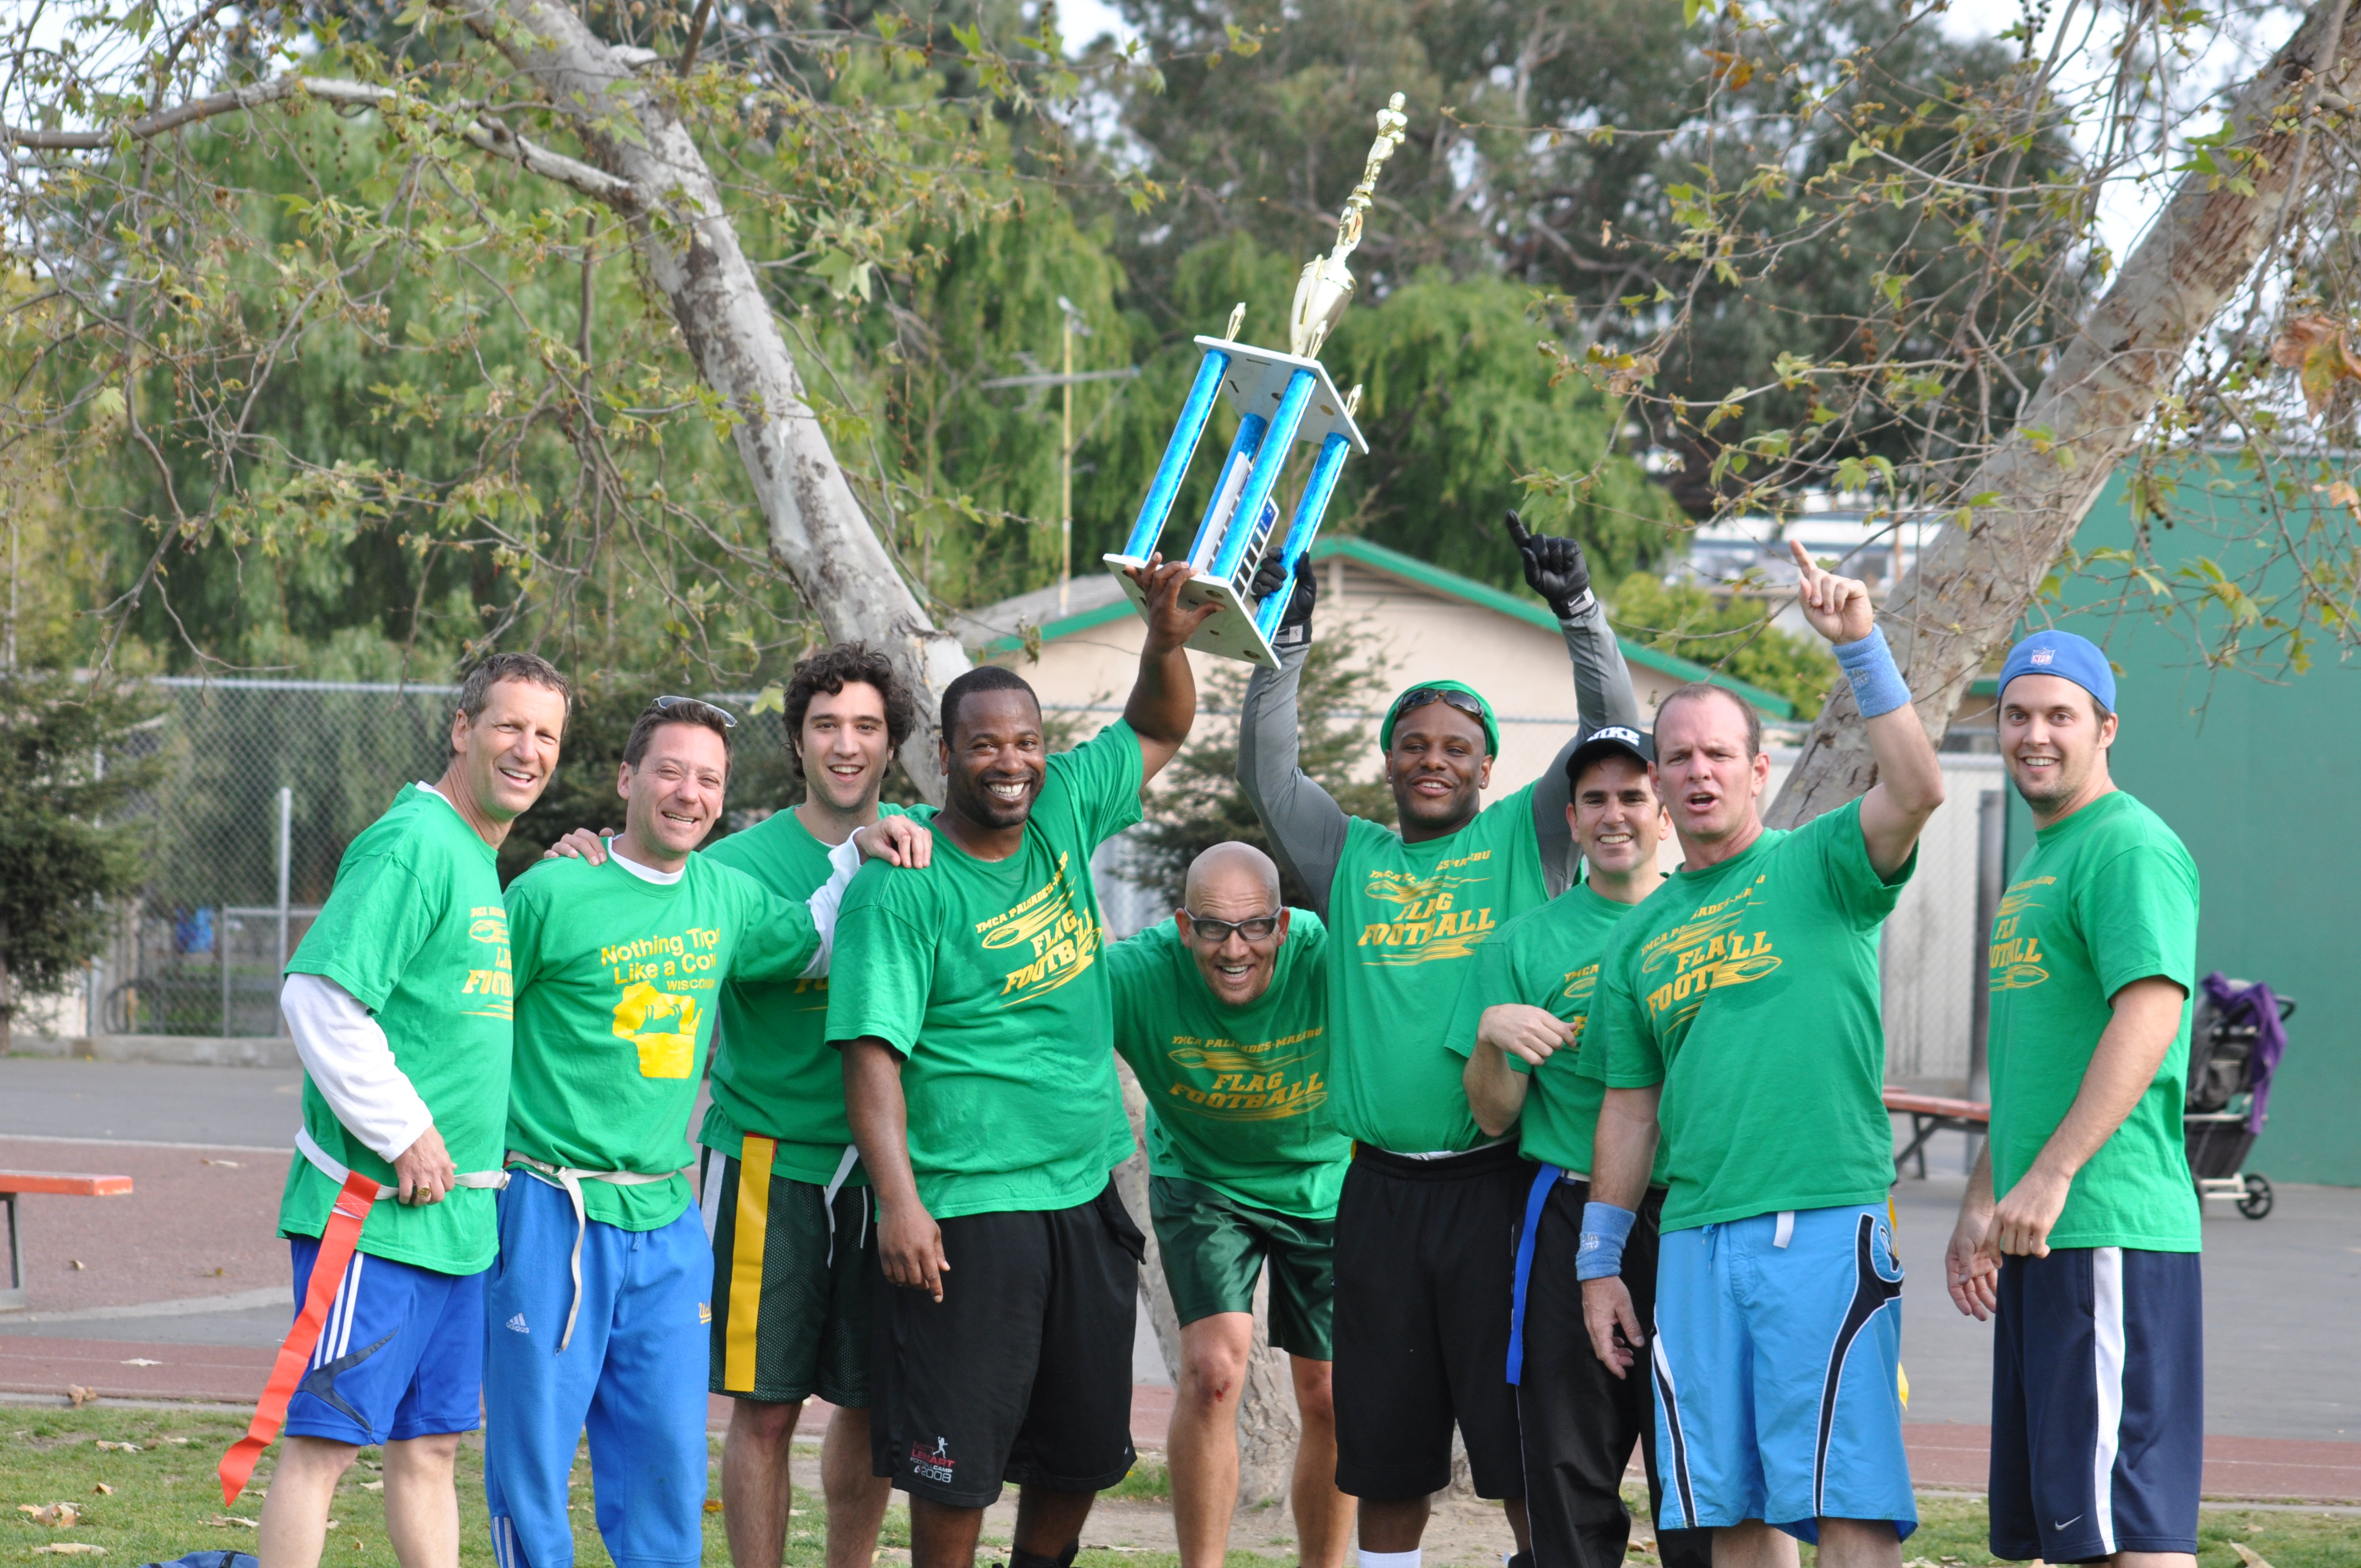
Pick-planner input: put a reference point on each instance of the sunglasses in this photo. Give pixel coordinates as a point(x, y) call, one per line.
point(666, 703)
point(1419, 696)
point(1214, 933)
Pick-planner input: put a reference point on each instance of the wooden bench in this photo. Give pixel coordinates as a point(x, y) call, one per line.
point(58, 1184)
point(1930, 1115)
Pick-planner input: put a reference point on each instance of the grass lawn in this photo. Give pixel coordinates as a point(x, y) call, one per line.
point(165, 1502)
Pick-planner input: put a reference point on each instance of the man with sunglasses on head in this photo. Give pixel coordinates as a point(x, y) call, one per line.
point(1222, 1011)
point(598, 1307)
point(785, 1201)
point(1428, 1209)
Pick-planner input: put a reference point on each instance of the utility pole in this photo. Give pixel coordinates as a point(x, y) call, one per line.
point(1073, 324)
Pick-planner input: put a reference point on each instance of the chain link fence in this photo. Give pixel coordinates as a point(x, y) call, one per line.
point(266, 781)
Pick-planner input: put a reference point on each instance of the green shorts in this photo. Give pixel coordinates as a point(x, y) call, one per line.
point(1213, 1246)
point(790, 1293)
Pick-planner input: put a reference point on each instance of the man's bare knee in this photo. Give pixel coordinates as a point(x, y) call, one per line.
point(1315, 1391)
point(766, 1421)
point(1211, 1378)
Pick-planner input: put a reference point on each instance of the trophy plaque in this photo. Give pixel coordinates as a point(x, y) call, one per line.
point(1281, 400)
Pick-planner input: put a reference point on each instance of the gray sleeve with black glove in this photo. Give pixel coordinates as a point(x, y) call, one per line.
point(1554, 568)
point(1305, 824)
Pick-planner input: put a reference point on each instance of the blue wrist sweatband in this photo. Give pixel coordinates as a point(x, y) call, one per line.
point(1877, 686)
point(1605, 1228)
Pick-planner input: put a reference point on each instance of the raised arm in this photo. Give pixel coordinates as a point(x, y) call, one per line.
point(1555, 569)
point(1910, 780)
point(1163, 702)
point(1305, 824)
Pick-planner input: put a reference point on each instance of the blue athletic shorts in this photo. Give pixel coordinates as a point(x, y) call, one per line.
point(633, 1377)
point(402, 1355)
point(1777, 1360)
point(2098, 1440)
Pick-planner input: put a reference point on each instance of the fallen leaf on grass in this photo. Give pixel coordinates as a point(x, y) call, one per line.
point(77, 1396)
point(79, 1264)
point(2248, 1555)
point(177, 1441)
point(224, 1521)
point(712, 1505)
point(103, 1490)
point(106, 1447)
point(372, 1485)
point(73, 1548)
point(57, 1516)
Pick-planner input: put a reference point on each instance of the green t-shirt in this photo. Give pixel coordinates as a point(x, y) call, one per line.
point(1548, 958)
point(1749, 989)
point(772, 1072)
point(414, 929)
point(2107, 896)
point(616, 982)
point(1237, 1097)
point(1407, 920)
point(983, 975)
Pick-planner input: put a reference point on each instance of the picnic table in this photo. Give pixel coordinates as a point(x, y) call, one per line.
point(1930, 1115)
point(56, 1183)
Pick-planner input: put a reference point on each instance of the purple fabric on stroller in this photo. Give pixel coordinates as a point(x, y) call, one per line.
point(2252, 1004)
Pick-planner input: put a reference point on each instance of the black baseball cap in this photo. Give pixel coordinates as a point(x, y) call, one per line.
point(1606, 739)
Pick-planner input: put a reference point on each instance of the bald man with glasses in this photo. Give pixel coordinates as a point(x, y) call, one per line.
point(1222, 1011)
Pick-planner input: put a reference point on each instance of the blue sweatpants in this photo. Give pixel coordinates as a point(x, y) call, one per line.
point(634, 1376)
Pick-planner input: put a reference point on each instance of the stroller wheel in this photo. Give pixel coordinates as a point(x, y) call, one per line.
point(2258, 1201)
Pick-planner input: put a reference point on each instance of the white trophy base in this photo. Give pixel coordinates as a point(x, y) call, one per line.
point(1230, 632)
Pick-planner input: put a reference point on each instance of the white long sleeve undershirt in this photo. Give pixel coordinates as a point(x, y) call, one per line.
point(348, 1059)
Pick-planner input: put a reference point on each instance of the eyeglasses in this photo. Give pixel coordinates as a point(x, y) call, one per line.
point(1214, 933)
point(666, 703)
point(1420, 697)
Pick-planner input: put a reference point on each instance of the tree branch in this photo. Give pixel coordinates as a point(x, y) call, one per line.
point(485, 134)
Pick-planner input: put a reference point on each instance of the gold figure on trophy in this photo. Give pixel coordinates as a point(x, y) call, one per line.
point(1327, 285)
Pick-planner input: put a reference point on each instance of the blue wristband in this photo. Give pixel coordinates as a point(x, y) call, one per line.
point(1605, 1228)
point(1877, 686)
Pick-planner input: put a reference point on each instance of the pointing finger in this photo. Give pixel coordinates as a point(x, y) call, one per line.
point(1517, 533)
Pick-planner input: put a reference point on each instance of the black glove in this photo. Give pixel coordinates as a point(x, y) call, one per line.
point(1295, 621)
point(1553, 568)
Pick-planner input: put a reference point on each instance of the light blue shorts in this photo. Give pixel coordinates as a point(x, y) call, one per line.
point(1777, 1361)
point(633, 1377)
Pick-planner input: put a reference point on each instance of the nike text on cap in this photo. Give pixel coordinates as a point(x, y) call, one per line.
point(1619, 739)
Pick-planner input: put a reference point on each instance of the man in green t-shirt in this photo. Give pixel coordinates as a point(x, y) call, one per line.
point(1222, 1011)
point(600, 1299)
point(1738, 1006)
point(1739, 1009)
point(2080, 1225)
point(399, 1002)
point(979, 1079)
point(786, 1205)
point(1424, 1219)
point(1520, 1025)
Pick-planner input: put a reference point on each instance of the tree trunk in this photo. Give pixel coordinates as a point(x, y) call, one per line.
point(689, 247)
point(1968, 593)
point(1267, 1428)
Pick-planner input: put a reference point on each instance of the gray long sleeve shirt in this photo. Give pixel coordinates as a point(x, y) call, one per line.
point(1307, 826)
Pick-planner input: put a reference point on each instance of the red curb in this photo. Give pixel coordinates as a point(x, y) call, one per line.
point(2265, 1468)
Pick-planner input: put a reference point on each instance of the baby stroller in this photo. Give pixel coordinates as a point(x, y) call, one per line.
point(2235, 1045)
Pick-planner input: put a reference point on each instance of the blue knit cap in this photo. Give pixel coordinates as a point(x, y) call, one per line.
point(2062, 654)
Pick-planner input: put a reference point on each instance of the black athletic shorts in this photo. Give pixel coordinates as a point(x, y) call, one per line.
point(1424, 1251)
point(1579, 1421)
point(793, 1279)
point(1022, 1372)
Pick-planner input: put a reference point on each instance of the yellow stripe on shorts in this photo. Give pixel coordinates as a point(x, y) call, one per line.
point(750, 1226)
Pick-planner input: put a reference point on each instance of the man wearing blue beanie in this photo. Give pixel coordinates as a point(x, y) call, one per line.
point(2080, 1227)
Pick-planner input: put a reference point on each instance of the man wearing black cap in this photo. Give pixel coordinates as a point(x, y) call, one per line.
point(1519, 1025)
point(1424, 1221)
